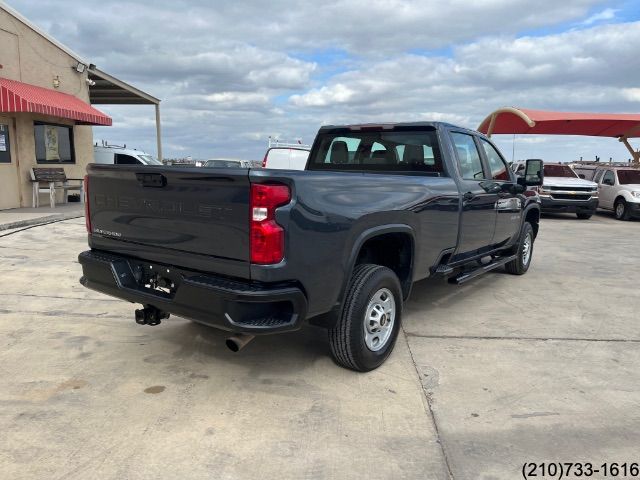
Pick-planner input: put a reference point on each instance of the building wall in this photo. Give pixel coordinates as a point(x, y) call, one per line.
point(28, 57)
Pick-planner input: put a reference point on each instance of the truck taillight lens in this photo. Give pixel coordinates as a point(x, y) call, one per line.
point(267, 237)
point(87, 209)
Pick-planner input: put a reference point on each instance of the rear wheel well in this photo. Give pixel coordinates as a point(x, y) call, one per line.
point(533, 217)
point(392, 250)
point(618, 198)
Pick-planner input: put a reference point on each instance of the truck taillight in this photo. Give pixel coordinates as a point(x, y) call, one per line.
point(267, 237)
point(87, 209)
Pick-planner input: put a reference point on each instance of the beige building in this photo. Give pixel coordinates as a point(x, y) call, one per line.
point(46, 92)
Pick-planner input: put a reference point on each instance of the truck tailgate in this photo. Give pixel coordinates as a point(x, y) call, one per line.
point(189, 214)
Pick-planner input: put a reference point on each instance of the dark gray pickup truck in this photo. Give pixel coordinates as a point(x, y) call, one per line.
point(338, 245)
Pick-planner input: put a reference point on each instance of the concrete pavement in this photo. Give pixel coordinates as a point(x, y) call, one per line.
point(489, 375)
point(23, 217)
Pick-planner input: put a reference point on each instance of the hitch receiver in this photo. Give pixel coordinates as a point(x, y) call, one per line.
point(150, 315)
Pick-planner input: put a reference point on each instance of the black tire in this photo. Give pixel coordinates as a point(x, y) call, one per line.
point(621, 209)
point(347, 337)
point(520, 265)
point(584, 216)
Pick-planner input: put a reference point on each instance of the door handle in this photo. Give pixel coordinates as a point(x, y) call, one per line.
point(467, 197)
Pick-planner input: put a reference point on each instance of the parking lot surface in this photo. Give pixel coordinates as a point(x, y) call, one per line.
point(486, 376)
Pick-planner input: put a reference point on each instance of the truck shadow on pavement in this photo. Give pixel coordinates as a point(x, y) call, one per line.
point(270, 354)
point(280, 353)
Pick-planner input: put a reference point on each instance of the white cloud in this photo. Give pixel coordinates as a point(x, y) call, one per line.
point(606, 14)
point(631, 94)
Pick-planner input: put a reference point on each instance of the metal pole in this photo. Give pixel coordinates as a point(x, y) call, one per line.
point(635, 155)
point(158, 132)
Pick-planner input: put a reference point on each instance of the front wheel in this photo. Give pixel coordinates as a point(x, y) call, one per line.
point(520, 265)
point(622, 210)
point(369, 322)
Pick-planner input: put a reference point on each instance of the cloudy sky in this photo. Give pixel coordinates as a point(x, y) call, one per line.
point(231, 73)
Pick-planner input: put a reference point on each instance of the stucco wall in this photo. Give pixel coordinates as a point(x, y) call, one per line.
point(27, 57)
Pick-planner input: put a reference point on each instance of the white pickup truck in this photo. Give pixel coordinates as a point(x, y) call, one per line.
point(563, 191)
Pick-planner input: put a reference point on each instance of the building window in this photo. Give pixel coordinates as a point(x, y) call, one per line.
point(54, 143)
point(5, 148)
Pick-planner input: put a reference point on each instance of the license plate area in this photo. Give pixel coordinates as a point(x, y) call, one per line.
point(157, 279)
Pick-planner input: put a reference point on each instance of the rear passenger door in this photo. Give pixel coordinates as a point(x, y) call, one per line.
point(508, 205)
point(477, 224)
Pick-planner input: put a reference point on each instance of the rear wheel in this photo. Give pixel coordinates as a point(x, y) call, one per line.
point(621, 209)
point(520, 265)
point(366, 331)
point(584, 216)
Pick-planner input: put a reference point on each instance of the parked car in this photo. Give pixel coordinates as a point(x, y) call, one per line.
point(338, 245)
point(115, 155)
point(619, 189)
point(286, 158)
point(226, 163)
point(564, 191)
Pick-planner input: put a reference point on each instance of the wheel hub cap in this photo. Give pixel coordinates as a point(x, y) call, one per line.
point(379, 319)
point(526, 249)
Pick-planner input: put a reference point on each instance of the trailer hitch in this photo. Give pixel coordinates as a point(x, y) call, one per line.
point(150, 315)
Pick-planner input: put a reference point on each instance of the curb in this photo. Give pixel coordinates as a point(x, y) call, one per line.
point(40, 220)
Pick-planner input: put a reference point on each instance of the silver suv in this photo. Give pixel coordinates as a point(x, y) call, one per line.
point(563, 191)
point(619, 189)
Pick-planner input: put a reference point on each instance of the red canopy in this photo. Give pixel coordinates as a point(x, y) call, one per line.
point(520, 120)
point(22, 97)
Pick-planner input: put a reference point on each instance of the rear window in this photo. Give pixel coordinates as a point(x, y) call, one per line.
point(378, 151)
point(559, 171)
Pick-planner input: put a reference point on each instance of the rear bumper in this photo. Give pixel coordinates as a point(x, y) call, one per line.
point(233, 305)
point(550, 205)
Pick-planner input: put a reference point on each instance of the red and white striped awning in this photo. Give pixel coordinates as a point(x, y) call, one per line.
point(22, 97)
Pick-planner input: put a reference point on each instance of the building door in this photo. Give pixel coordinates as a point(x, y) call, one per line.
point(9, 178)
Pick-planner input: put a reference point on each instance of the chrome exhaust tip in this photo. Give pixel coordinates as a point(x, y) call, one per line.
point(238, 342)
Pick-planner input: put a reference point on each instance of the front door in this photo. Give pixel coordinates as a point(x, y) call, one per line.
point(478, 221)
point(606, 190)
point(9, 178)
point(508, 205)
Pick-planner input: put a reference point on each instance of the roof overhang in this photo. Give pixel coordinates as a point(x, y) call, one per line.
point(18, 97)
point(108, 90)
point(540, 122)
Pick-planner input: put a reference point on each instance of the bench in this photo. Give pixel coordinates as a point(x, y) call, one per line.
point(55, 179)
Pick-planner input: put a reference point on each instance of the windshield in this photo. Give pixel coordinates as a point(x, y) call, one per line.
point(559, 171)
point(149, 160)
point(383, 151)
point(629, 177)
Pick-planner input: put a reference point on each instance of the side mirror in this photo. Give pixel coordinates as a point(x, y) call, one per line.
point(581, 175)
point(533, 174)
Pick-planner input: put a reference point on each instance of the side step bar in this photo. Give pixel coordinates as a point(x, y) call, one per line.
point(471, 274)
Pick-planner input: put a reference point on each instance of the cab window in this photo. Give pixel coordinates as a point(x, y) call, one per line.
point(608, 178)
point(468, 156)
point(498, 167)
